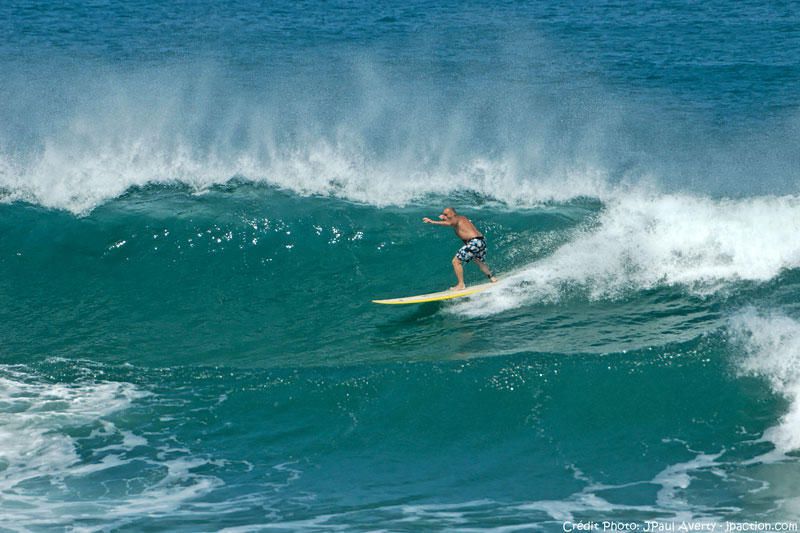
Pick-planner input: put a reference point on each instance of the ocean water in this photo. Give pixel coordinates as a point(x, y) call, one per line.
point(198, 201)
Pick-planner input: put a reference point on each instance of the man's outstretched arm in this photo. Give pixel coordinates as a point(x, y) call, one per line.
point(427, 220)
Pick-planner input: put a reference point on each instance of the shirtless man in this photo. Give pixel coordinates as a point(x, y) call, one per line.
point(474, 244)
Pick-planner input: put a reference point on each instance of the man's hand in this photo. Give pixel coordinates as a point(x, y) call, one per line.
point(426, 220)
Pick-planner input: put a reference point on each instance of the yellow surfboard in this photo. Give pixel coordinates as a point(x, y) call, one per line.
point(436, 296)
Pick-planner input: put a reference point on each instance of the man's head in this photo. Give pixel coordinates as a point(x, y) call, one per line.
point(448, 213)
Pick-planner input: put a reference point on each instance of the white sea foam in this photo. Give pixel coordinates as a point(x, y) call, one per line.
point(771, 349)
point(594, 501)
point(56, 438)
point(35, 419)
point(672, 501)
point(643, 241)
point(676, 479)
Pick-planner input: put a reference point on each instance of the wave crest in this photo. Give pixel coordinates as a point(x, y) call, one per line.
point(641, 242)
point(771, 350)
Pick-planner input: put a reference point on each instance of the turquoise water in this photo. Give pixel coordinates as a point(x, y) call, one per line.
point(198, 202)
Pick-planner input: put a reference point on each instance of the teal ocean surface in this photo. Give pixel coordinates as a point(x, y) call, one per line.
point(198, 202)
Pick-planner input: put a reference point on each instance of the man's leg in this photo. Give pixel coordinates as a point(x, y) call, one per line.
point(485, 269)
point(459, 270)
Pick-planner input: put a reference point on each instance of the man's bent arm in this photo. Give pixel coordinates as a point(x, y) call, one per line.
point(427, 220)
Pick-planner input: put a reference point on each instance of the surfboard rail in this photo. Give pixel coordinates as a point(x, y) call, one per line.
point(436, 296)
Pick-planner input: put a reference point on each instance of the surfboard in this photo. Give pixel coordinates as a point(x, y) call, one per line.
point(437, 296)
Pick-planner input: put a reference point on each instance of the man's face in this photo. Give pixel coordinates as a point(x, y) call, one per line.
point(446, 215)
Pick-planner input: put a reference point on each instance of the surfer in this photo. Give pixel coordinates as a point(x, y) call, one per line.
point(474, 244)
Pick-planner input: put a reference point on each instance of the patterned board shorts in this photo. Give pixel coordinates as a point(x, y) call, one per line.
point(472, 249)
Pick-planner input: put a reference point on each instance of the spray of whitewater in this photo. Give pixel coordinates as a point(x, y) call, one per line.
point(644, 241)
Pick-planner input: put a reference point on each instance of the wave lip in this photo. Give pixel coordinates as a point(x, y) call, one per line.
point(367, 139)
point(79, 179)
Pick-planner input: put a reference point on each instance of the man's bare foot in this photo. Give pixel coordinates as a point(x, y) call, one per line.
point(457, 287)
point(493, 279)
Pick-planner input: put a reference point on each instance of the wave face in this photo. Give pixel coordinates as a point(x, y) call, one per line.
point(196, 208)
